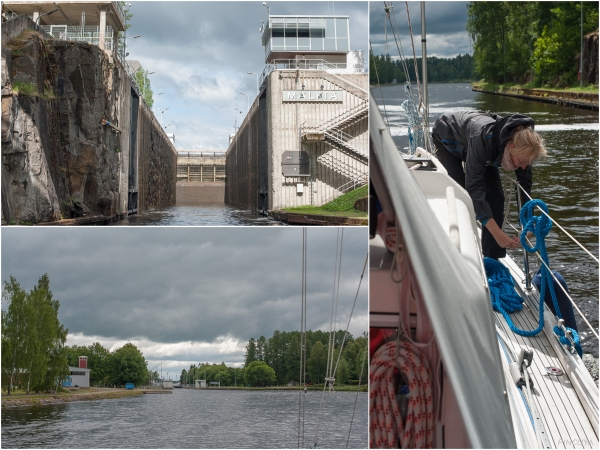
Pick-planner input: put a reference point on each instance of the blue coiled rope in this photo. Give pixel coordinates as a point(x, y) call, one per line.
point(540, 226)
point(504, 297)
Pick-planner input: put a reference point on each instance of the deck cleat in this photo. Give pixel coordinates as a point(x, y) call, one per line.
point(568, 334)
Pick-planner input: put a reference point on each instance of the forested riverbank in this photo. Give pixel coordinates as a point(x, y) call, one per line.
point(275, 361)
point(550, 45)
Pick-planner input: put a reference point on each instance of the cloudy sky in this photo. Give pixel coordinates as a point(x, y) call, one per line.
point(201, 53)
point(445, 25)
point(188, 295)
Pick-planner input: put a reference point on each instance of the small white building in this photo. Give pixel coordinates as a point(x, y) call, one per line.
point(79, 376)
point(200, 384)
point(167, 384)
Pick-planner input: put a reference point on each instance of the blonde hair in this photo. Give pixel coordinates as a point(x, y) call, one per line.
point(528, 143)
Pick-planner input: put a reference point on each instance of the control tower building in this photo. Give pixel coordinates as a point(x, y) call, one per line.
point(304, 140)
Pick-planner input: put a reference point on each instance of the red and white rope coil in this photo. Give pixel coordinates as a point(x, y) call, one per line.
point(387, 429)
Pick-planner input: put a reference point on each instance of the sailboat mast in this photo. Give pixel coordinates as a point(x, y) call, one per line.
point(424, 65)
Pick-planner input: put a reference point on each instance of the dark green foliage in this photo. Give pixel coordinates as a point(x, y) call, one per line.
point(529, 42)
point(439, 70)
point(281, 353)
point(33, 339)
point(127, 365)
point(259, 374)
point(143, 82)
point(98, 362)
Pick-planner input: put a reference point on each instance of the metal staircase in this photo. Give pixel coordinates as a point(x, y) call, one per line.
point(356, 177)
point(332, 132)
point(334, 135)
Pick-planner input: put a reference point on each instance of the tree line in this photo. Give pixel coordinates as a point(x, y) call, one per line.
point(33, 339)
point(34, 355)
point(123, 365)
point(529, 42)
point(385, 70)
point(276, 361)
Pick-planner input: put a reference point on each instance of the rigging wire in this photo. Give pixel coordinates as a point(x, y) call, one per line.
point(554, 221)
point(350, 318)
point(331, 373)
point(388, 9)
point(302, 377)
point(357, 391)
point(414, 56)
point(560, 286)
point(379, 84)
point(329, 356)
point(339, 352)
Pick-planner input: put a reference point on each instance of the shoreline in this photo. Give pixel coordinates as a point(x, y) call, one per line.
point(20, 400)
point(574, 99)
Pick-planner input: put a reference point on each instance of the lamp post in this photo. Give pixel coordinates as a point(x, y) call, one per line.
point(247, 101)
point(161, 114)
point(252, 73)
point(37, 20)
point(268, 9)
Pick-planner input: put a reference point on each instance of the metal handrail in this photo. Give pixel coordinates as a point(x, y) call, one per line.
point(120, 10)
point(342, 142)
point(561, 287)
point(89, 34)
point(553, 221)
point(338, 120)
point(195, 154)
point(353, 184)
point(304, 64)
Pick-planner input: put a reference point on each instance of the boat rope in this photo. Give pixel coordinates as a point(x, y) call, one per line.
point(506, 177)
point(387, 427)
point(505, 299)
point(559, 284)
point(540, 227)
point(416, 131)
point(362, 368)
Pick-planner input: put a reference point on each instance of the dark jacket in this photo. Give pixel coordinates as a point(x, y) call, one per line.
point(479, 139)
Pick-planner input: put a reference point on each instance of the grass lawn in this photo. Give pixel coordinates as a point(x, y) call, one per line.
point(492, 86)
point(342, 206)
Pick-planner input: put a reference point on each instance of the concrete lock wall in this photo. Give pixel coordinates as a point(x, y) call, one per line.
point(241, 167)
point(58, 160)
point(275, 125)
point(157, 163)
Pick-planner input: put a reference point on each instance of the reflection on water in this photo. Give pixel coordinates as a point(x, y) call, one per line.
point(567, 180)
point(190, 418)
point(203, 215)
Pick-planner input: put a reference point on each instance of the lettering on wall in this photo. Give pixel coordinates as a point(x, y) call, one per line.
point(313, 96)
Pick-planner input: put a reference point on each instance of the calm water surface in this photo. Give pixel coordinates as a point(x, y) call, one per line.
point(204, 215)
point(567, 180)
point(190, 419)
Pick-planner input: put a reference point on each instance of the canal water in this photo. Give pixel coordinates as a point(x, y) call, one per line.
point(191, 418)
point(202, 215)
point(567, 180)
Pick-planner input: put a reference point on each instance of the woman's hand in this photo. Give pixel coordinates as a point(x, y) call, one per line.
point(503, 239)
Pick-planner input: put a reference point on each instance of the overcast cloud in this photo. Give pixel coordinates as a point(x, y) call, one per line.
point(201, 53)
point(445, 25)
point(188, 295)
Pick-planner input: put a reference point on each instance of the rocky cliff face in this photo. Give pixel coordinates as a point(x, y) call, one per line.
point(57, 157)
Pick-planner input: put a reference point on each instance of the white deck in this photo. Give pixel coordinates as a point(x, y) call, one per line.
point(563, 420)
